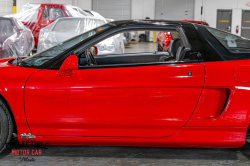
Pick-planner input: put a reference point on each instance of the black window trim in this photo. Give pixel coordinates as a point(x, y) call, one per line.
point(116, 30)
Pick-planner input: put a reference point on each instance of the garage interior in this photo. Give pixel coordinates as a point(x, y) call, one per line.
point(232, 16)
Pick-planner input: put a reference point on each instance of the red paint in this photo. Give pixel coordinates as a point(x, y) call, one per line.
point(163, 39)
point(197, 22)
point(132, 102)
point(213, 109)
point(240, 74)
point(68, 66)
point(131, 106)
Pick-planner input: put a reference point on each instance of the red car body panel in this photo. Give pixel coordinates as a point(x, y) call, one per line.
point(164, 38)
point(197, 22)
point(35, 27)
point(12, 89)
point(125, 101)
point(143, 106)
point(175, 103)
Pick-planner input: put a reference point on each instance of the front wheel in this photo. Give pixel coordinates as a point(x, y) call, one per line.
point(6, 126)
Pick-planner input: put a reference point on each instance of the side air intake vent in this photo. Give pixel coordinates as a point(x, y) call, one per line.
point(214, 102)
point(226, 101)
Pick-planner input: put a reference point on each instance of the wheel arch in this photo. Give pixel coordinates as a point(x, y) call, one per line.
point(10, 111)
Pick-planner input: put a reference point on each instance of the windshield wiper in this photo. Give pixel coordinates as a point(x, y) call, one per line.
point(17, 61)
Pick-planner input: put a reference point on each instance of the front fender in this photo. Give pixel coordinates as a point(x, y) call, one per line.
point(12, 83)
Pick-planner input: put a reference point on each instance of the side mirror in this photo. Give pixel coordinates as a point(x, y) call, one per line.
point(69, 65)
point(94, 50)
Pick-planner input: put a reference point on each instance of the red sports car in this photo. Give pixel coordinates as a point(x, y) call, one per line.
point(194, 95)
point(164, 38)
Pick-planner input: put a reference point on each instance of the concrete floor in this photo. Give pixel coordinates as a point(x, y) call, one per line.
point(132, 156)
point(140, 47)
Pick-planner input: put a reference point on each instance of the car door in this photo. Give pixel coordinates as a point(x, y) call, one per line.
point(125, 101)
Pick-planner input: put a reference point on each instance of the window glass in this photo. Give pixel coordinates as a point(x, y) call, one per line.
point(135, 42)
point(233, 43)
point(53, 13)
point(40, 58)
point(133, 47)
point(6, 26)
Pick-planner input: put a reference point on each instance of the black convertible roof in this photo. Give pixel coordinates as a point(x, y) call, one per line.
point(151, 22)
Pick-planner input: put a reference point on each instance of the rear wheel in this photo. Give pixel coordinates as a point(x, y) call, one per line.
point(6, 125)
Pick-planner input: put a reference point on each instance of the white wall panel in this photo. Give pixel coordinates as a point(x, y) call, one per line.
point(6, 7)
point(142, 9)
point(20, 3)
point(210, 11)
point(84, 4)
point(115, 9)
point(174, 9)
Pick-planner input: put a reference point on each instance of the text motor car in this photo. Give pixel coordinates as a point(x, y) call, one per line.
point(67, 96)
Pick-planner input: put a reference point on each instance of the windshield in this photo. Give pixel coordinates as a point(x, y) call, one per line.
point(233, 43)
point(43, 57)
point(5, 23)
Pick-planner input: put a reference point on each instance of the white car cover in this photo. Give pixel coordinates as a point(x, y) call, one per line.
point(30, 13)
point(15, 39)
point(65, 28)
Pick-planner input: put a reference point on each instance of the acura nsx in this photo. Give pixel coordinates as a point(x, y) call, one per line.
point(195, 94)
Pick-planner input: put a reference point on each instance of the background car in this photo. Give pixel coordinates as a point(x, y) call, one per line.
point(38, 16)
point(164, 38)
point(15, 39)
point(65, 28)
point(127, 37)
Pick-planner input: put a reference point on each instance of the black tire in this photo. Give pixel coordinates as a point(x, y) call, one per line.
point(6, 124)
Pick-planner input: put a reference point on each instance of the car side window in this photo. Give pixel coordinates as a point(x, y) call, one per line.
point(132, 47)
point(53, 13)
